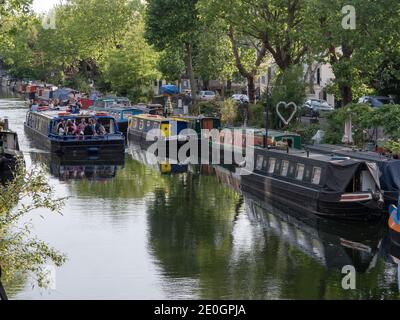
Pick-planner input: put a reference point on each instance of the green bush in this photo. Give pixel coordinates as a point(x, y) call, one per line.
point(361, 117)
point(257, 115)
point(229, 112)
point(208, 108)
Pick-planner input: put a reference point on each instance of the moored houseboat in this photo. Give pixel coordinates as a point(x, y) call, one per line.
point(9, 152)
point(315, 183)
point(231, 144)
point(166, 130)
point(43, 128)
point(389, 168)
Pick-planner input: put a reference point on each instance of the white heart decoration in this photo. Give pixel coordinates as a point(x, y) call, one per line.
point(286, 105)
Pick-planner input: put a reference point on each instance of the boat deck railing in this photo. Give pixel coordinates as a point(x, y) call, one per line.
point(107, 137)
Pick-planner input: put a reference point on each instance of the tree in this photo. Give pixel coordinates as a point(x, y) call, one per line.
point(174, 25)
point(263, 27)
point(131, 68)
point(353, 53)
point(19, 252)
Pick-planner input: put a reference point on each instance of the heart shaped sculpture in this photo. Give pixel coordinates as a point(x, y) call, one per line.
point(286, 105)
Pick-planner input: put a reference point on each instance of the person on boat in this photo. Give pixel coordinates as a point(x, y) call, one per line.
point(101, 130)
point(35, 106)
point(89, 129)
point(61, 128)
point(81, 127)
point(70, 130)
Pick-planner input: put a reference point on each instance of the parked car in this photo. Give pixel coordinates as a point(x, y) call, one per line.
point(315, 107)
point(376, 101)
point(241, 98)
point(207, 95)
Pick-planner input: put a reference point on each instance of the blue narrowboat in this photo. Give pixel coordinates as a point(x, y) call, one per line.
point(43, 128)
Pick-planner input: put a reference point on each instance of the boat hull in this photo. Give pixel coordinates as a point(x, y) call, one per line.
point(307, 200)
point(77, 147)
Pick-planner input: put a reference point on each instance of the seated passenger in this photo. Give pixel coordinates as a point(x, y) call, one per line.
point(61, 128)
point(101, 130)
point(89, 131)
point(81, 127)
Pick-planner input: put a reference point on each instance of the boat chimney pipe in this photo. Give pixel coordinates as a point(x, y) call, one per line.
point(5, 124)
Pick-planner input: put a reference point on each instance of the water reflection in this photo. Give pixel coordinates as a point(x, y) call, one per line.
point(186, 231)
point(72, 168)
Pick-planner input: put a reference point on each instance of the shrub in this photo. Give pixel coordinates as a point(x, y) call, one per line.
point(208, 108)
point(229, 112)
point(360, 116)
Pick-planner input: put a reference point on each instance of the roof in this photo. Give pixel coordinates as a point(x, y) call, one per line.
point(348, 152)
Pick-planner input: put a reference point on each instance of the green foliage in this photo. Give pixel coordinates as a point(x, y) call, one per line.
point(210, 108)
point(393, 146)
point(132, 68)
point(387, 117)
point(229, 112)
point(289, 87)
point(360, 115)
point(171, 64)
point(19, 252)
point(257, 115)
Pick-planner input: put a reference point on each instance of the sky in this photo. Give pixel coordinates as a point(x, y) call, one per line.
point(41, 6)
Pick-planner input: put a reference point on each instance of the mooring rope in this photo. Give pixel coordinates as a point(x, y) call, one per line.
point(3, 295)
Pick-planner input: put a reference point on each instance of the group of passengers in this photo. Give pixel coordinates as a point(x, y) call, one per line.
point(73, 105)
point(83, 128)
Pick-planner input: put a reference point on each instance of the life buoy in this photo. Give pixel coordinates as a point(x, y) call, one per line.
point(64, 114)
point(43, 108)
point(100, 114)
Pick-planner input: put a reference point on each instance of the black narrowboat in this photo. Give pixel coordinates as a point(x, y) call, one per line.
point(315, 183)
point(389, 168)
point(42, 128)
point(9, 152)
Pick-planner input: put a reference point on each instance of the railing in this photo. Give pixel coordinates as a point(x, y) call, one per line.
point(3, 295)
point(105, 137)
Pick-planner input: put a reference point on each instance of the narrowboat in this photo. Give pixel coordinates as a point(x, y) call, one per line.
point(232, 143)
point(315, 183)
point(122, 115)
point(167, 131)
point(121, 111)
point(331, 243)
point(389, 168)
point(42, 128)
point(9, 152)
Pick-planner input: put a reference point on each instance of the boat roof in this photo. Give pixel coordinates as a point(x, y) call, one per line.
point(271, 133)
point(313, 156)
point(348, 152)
point(57, 114)
point(157, 118)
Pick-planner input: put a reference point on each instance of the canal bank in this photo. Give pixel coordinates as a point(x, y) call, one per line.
point(132, 232)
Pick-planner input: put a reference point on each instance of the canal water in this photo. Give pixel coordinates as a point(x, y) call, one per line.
point(131, 231)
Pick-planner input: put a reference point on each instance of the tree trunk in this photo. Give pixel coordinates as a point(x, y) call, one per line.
point(228, 87)
point(251, 88)
point(346, 92)
point(189, 62)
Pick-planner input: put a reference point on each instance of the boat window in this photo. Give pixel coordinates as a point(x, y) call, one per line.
point(285, 168)
point(316, 175)
point(141, 125)
point(148, 124)
point(271, 166)
point(134, 123)
point(300, 172)
point(260, 160)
